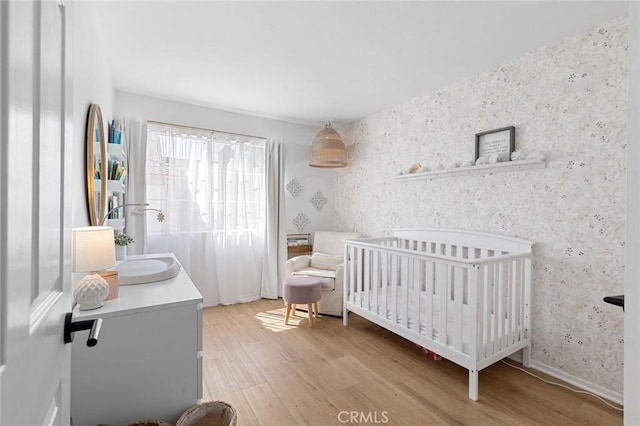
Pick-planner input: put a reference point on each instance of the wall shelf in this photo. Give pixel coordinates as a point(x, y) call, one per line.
point(484, 169)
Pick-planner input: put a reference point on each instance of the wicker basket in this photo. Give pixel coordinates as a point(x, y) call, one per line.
point(149, 423)
point(212, 413)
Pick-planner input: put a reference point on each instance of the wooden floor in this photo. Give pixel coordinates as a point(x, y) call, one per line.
point(362, 374)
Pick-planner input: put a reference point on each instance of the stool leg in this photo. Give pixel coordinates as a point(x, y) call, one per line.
point(286, 316)
point(310, 314)
point(315, 309)
point(293, 309)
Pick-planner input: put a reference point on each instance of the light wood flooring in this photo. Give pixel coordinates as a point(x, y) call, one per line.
point(296, 375)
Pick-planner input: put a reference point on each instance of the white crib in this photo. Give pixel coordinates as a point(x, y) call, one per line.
point(461, 294)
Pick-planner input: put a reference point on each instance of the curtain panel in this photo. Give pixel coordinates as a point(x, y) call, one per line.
point(135, 138)
point(212, 188)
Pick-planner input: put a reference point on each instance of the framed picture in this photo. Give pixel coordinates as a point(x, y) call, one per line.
point(501, 142)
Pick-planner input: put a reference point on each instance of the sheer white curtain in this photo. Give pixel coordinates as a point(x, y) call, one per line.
point(211, 187)
point(135, 139)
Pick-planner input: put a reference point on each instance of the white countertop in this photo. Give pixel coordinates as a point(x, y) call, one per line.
point(136, 298)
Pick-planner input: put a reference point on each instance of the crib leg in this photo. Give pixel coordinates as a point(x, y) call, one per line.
point(345, 317)
point(473, 385)
point(526, 356)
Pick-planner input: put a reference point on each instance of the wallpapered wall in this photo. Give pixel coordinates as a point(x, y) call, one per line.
point(568, 101)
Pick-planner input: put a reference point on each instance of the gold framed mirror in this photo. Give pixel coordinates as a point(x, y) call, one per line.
point(96, 165)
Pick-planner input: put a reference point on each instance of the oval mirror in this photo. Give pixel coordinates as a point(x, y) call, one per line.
point(96, 166)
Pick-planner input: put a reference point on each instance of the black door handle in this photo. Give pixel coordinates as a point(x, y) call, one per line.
point(71, 327)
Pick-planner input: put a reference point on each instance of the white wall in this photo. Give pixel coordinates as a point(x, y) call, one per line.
point(632, 272)
point(569, 101)
point(129, 105)
point(311, 181)
point(91, 84)
point(297, 141)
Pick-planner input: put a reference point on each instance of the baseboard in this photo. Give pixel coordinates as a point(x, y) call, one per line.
point(579, 383)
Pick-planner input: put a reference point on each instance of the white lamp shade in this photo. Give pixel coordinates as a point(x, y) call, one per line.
point(93, 248)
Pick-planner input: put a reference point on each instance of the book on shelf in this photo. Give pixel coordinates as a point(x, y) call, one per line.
point(115, 134)
point(114, 203)
point(294, 240)
point(116, 169)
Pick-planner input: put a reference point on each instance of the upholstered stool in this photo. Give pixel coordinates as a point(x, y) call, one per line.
point(304, 290)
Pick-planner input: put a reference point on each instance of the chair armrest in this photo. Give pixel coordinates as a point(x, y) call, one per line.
point(339, 278)
point(297, 263)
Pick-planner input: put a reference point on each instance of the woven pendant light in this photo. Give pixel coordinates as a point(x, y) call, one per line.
point(327, 149)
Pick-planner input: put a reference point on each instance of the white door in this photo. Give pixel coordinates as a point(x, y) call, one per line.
point(34, 213)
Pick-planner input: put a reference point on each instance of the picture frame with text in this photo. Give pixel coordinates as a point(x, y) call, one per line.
point(501, 142)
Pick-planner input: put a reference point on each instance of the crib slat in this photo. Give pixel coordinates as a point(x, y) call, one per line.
point(351, 278)
point(519, 301)
point(494, 309)
point(394, 288)
point(458, 299)
point(513, 267)
point(359, 272)
point(488, 306)
point(502, 311)
point(428, 309)
point(415, 295)
point(404, 291)
point(442, 304)
point(385, 283)
point(448, 253)
point(495, 300)
point(477, 275)
point(375, 283)
point(367, 278)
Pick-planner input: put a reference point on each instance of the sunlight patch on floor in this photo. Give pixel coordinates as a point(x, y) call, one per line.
point(274, 320)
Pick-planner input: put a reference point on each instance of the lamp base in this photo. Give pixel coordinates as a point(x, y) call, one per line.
point(91, 292)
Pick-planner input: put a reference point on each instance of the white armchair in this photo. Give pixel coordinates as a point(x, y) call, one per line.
point(326, 263)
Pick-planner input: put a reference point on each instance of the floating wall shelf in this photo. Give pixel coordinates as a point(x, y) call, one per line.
point(484, 169)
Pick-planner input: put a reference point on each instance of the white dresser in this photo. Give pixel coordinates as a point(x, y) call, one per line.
point(148, 360)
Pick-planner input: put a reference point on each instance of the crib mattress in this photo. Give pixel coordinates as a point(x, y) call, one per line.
point(434, 333)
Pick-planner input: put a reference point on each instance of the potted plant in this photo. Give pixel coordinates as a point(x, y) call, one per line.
point(122, 241)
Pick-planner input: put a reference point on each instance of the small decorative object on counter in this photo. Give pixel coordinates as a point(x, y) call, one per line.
point(122, 241)
point(111, 277)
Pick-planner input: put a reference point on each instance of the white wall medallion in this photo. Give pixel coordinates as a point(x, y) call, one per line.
point(300, 222)
point(294, 187)
point(318, 200)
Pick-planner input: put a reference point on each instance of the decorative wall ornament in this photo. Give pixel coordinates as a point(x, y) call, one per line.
point(294, 187)
point(300, 221)
point(318, 200)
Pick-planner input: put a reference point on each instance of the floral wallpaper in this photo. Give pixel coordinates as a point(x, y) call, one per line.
point(568, 101)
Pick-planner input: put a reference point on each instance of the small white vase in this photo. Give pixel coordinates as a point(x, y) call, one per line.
point(121, 252)
point(91, 292)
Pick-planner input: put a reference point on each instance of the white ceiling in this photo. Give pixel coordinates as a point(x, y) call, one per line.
point(309, 62)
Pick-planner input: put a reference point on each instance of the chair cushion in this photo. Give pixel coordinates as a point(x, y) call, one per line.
point(326, 261)
point(327, 278)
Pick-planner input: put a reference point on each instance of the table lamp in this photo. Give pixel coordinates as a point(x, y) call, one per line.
point(93, 250)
